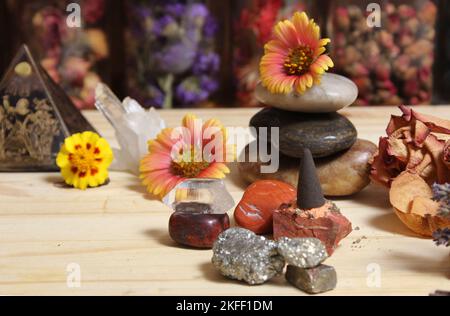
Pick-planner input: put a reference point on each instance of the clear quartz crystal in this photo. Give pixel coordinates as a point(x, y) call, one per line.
point(134, 127)
point(210, 192)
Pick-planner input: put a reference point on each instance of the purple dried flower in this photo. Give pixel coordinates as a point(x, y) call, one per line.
point(211, 26)
point(175, 9)
point(189, 92)
point(208, 84)
point(193, 21)
point(175, 39)
point(162, 23)
point(442, 237)
point(194, 90)
point(206, 63)
point(442, 194)
point(174, 59)
point(197, 12)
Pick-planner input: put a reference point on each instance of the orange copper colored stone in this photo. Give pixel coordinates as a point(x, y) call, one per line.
point(325, 223)
point(260, 200)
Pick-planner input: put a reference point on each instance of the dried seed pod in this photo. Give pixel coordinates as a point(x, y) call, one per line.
point(412, 200)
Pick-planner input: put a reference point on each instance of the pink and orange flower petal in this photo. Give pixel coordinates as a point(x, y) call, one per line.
point(177, 154)
point(294, 59)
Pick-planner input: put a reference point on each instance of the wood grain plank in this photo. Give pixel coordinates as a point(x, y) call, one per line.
point(117, 234)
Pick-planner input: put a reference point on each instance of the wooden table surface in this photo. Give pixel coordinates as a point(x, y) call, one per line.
point(116, 236)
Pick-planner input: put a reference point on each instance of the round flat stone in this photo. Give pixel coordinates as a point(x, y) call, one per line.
point(333, 94)
point(324, 134)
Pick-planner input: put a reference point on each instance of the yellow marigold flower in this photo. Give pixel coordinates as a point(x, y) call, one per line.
point(294, 59)
point(84, 160)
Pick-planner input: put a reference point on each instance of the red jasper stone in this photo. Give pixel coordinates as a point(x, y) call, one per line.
point(325, 223)
point(196, 229)
point(260, 200)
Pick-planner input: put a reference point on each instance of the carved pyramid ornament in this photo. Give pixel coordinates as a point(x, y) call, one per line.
point(36, 116)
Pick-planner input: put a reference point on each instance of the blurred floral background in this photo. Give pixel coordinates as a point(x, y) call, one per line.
point(190, 53)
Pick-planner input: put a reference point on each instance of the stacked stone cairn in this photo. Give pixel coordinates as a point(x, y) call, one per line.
point(311, 121)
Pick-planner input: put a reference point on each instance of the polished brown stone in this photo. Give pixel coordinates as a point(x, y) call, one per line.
point(316, 280)
point(197, 230)
point(255, 211)
point(342, 174)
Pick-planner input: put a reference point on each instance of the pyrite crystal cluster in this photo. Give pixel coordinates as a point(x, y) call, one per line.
point(35, 117)
point(302, 252)
point(240, 254)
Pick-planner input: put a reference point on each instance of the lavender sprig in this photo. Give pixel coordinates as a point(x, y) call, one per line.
point(174, 43)
point(442, 194)
point(442, 237)
point(441, 191)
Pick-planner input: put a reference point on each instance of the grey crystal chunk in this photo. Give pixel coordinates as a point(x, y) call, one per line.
point(241, 255)
point(313, 281)
point(211, 192)
point(302, 252)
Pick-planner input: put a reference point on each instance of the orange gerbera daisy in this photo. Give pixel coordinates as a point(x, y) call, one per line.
point(294, 58)
point(195, 150)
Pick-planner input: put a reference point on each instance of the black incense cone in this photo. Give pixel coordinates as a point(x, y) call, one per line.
point(309, 190)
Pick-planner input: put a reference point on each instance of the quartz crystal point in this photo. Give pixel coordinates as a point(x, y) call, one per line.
point(241, 255)
point(134, 127)
point(211, 192)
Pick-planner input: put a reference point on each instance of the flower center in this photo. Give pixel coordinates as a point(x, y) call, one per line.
point(188, 167)
point(84, 160)
point(299, 60)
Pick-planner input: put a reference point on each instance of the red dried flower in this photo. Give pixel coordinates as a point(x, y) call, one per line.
point(413, 144)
